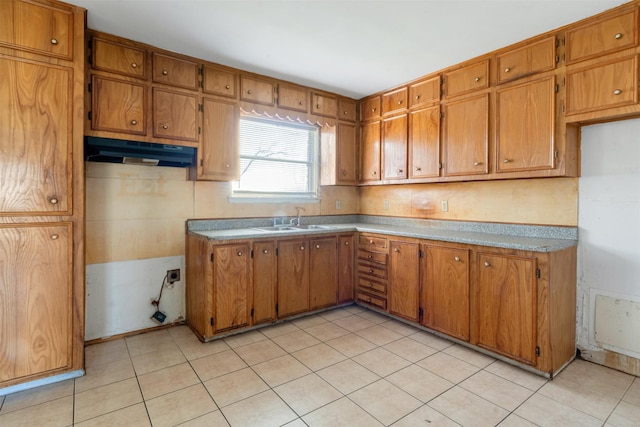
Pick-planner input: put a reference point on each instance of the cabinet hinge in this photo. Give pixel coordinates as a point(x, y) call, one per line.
point(420, 312)
point(276, 251)
point(89, 87)
point(89, 59)
point(89, 43)
point(537, 351)
point(557, 58)
point(564, 82)
point(555, 154)
point(557, 88)
point(211, 257)
point(89, 115)
point(538, 273)
point(252, 312)
point(557, 42)
point(211, 321)
point(200, 107)
point(199, 130)
point(563, 107)
point(420, 253)
point(441, 165)
point(441, 115)
point(252, 257)
point(276, 308)
point(201, 71)
point(563, 41)
point(201, 162)
point(200, 84)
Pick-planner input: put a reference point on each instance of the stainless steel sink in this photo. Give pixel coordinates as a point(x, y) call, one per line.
point(278, 228)
point(315, 227)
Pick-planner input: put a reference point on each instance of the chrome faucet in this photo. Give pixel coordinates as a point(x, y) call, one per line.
point(297, 219)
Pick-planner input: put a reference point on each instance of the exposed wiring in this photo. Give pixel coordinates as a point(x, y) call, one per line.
point(156, 303)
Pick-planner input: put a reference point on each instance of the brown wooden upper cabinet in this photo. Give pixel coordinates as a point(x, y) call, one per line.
point(532, 58)
point(370, 151)
point(370, 108)
point(113, 57)
point(602, 37)
point(175, 71)
point(324, 105)
point(257, 90)
point(293, 97)
point(466, 136)
point(220, 81)
point(118, 106)
point(424, 143)
point(467, 79)
point(394, 101)
point(424, 92)
point(347, 109)
point(394, 147)
point(39, 28)
point(175, 115)
point(219, 152)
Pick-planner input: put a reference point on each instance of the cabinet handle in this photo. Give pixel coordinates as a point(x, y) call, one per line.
point(227, 87)
point(265, 251)
point(617, 92)
point(417, 96)
point(618, 36)
point(506, 161)
point(165, 127)
point(487, 264)
point(317, 246)
point(54, 41)
point(165, 72)
point(506, 70)
point(134, 65)
point(53, 201)
point(54, 237)
point(134, 122)
point(302, 248)
point(249, 92)
point(456, 258)
point(477, 163)
point(477, 79)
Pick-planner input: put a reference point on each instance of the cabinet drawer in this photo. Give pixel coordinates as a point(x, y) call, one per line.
point(467, 79)
point(258, 91)
point(372, 242)
point(424, 92)
point(370, 108)
point(613, 84)
point(367, 285)
point(221, 82)
point(324, 105)
point(532, 58)
point(175, 115)
point(346, 109)
point(610, 35)
point(373, 300)
point(394, 101)
point(118, 58)
point(293, 97)
point(372, 256)
point(372, 270)
point(175, 72)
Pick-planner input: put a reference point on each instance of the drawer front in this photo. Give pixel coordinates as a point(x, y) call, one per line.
point(467, 79)
point(367, 285)
point(118, 58)
point(372, 242)
point(424, 92)
point(293, 98)
point(373, 300)
point(530, 59)
point(377, 257)
point(258, 91)
point(346, 110)
point(324, 105)
point(175, 72)
point(613, 34)
point(370, 109)
point(220, 82)
point(375, 271)
point(394, 101)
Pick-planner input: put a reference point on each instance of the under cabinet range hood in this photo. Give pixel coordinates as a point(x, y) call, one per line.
point(137, 153)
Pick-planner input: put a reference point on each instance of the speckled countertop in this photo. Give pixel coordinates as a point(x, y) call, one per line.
point(511, 236)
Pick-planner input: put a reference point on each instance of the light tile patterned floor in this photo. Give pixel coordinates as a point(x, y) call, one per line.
point(345, 367)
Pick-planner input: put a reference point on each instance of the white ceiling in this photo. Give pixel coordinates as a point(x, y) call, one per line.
point(352, 47)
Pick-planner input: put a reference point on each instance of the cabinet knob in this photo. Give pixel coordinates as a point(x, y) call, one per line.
point(617, 92)
point(165, 127)
point(265, 251)
point(370, 285)
point(371, 242)
point(300, 102)
point(346, 243)
point(317, 246)
point(165, 72)
point(227, 166)
point(487, 264)
point(53, 201)
point(396, 250)
point(506, 161)
point(456, 258)
point(400, 171)
point(368, 299)
point(302, 248)
point(239, 253)
point(54, 237)
point(477, 163)
point(477, 79)
point(369, 256)
point(506, 70)
point(417, 96)
point(227, 87)
point(54, 41)
point(618, 36)
point(373, 110)
point(400, 102)
point(134, 122)
point(318, 106)
point(418, 168)
point(371, 271)
point(374, 173)
point(134, 65)
point(249, 92)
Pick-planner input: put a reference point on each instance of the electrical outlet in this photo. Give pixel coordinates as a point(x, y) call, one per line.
point(444, 205)
point(338, 204)
point(386, 205)
point(173, 275)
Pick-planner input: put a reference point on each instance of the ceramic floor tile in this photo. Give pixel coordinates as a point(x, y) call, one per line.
point(353, 323)
point(448, 367)
point(543, 411)
point(212, 419)
point(399, 327)
point(149, 362)
point(106, 352)
point(166, 380)
point(104, 374)
point(131, 416)
point(597, 378)
point(238, 385)
point(354, 309)
point(341, 413)
point(319, 356)
point(625, 415)
point(468, 409)
point(259, 352)
point(180, 406)
point(196, 350)
point(307, 394)
point(410, 349)
point(516, 375)
point(431, 340)
point(217, 364)
point(105, 399)
point(633, 394)
point(55, 413)
point(351, 345)
point(309, 321)
point(515, 421)
point(335, 314)
point(150, 342)
point(279, 329)
point(497, 390)
point(379, 335)
point(419, 383)
point(425, 416)
point(281, 370)
point(264, 409)
point(295, 341)
point(386, 402)
point(36, 396)
point(181, 331)
point(244, 338)
point(326, 331)
point(380, 361)
point(348, 376)
point(295, 423)
point(567, 392)
point(470, 356)
point(374, 317)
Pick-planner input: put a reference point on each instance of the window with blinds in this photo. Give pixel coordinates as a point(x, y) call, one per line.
point(277, 159)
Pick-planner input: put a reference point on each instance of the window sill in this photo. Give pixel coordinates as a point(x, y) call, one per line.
point(252, 198)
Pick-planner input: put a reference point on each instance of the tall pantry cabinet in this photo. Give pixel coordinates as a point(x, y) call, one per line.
point(41, 191)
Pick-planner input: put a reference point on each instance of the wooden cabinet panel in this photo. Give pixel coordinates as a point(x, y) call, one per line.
point(394, 147)
point(466, 136)
point(373, 243)
point(506, 305)
point(394, 101)
point(346, 266)
point(46, 29)
point(257, 91)
point(347, 109)
point(107, 55)
point(175, 71)
point(372, 300)
point(380, 258)
point(219, 81)
point(118, 106)
point(424, 143)
point(370, 109)
point(231, 279)
point(293, 277)
point(323, 285)
point(264, 282)
point(175, 115)
point(324, 105)
point(376, 271)
point(36, 299)
point(293, 97)
point(603, 37)
point(424, 92)
point(404, 279)
point(35, 138)
point(366, 284)
point(346, 155)
point(467, 79)
point(525, 127)
point(370, 151)
point(533, 58)
point(445, 291)
point(219, 153)
point(607, 85)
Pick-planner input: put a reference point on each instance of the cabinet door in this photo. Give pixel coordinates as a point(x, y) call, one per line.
point(258, 91)
point(394, 101)
point(505, 305)
point(346, 154)
point(424, 92)
point(231, 281)
point(394, 147)
point(293, 97)
point(118, 58)
point(35, 299)
point(424, 143)
point(264, 282)
point(370, 108)
point(404, 280)
point(293, 277)
point(370, 152)
point(175, 115)
point(467, 79)
point(323, 284)
point(346, 264)
point(346, 109)
point(324, 105)
point(525, 126)
point(466, 136)
point(35, 138)
point(175, 71)
point(219, 81)
point(41, 28)
point(532, 58)
point(445, 291)
point(219, 153)
point(118, 106)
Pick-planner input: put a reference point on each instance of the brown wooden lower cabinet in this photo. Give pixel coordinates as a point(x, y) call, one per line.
point(404, 280)
point(323, 263)
point(264, 282)
point(293, 277)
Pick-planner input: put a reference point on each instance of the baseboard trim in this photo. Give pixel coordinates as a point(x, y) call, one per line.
point(613, 360)
point(42, 381)
point(132, 333)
